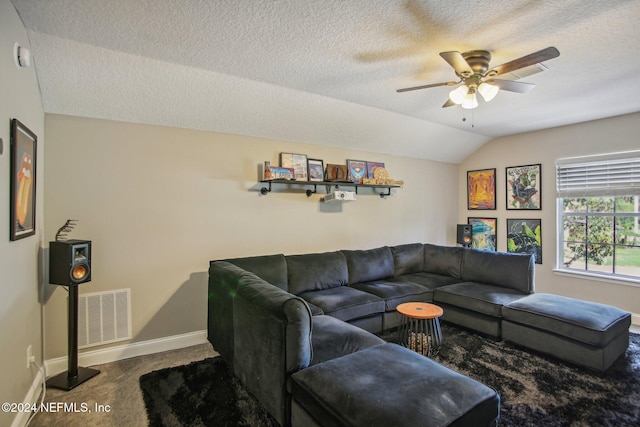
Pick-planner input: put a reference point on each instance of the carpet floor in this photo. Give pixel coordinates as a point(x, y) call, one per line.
point(535, 390)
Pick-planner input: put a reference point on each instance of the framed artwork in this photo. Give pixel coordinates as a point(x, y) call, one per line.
point(336, 172)
point(371, 167)
point(296, 161)
point(23, 181)
point(481, 189)
point(524, 236)
point(523, 187)
point(357, 170)
point(484, 233)
point(316, 169)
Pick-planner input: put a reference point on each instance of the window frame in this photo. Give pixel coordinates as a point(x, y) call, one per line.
point(613, 189)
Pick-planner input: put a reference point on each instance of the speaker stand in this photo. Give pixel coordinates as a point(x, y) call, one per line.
point(75, 375)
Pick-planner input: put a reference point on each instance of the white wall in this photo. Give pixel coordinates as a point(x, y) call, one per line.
point(159, 203)
point(19, 308)
point(596, 137)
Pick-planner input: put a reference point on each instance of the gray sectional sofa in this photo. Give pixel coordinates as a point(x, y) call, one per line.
point(298, 331)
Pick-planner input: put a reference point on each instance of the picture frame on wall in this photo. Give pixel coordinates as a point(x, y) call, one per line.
point(523, 187)
point(481, 189)
point(337, 173)
point(371, 167)
point(316, 169)
point(357, 170)
point(298, 162)
point(524, 236)
point(22, 216)
point(484, 234)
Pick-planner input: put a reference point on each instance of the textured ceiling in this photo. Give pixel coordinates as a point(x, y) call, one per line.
point(326, 71)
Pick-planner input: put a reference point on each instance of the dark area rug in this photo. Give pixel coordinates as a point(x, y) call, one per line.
point(535, 390)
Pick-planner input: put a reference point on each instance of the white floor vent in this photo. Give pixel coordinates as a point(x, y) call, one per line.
point(104, 317)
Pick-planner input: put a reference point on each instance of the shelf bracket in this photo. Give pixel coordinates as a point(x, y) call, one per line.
point(315, 190)
point(264, 191)
point(383, 194)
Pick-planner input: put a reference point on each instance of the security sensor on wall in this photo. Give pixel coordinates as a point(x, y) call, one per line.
point(21, 56)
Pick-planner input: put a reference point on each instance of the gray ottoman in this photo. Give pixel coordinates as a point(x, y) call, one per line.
point(580, 332)
point(389, 385)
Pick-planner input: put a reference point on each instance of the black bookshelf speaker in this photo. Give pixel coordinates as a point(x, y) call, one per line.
point(70, 262)
point(464, 234)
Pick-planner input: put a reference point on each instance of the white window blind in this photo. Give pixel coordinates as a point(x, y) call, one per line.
point(610, 177)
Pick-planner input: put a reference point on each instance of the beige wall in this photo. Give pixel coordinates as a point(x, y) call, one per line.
point(19, 309)
point(596, 137)
point(158, 203)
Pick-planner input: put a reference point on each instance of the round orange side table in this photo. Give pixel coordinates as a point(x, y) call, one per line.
point(420, 327)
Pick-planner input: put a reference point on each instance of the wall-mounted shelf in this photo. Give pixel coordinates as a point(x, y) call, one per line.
point(327, 184)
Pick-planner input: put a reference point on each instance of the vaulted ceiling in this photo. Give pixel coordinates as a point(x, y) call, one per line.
point(326, 71)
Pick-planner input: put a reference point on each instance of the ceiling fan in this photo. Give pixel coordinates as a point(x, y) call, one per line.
point(473, 70)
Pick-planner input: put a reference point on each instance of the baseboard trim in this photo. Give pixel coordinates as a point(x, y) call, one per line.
point(31, 398)
point(126, 351)
point(635, 319)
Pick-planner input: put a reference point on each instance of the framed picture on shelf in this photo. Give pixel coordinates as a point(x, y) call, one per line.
point(371, 167)
point(316, 169)
point(22, 214)
point(296, 161)
point(484, 233)
point(357, 170)
point(524, 236)
point(523, 187)
point(336, 172)
point(481, 189)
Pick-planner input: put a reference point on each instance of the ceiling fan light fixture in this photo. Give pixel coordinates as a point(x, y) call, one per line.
point(488, 91)
point(470, 101)
point(458, 94)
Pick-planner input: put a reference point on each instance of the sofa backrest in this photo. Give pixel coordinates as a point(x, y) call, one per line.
point(408, 259)
point(313, 272)
point(515, 271)
point(444, 260)
point(272, 268)
point(370, 264)
point(272, 330)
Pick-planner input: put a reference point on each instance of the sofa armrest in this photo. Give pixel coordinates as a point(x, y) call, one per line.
point(272, 339)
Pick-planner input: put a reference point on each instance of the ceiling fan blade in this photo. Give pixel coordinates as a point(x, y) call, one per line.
point(449, 103)
point(525, 61)
point(407, 89)
point(512, 86)
point(457, 61)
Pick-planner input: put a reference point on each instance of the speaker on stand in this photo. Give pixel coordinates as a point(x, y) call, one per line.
point(70, 265)
point(464, 235)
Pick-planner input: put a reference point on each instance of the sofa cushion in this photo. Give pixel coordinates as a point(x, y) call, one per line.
point(429, 280)
point(370, 264)
point(478, 297)
point(515, 271)
point(443, 260)
point(395, 291)
point(271, 268)
point(588, 322)
point(345, 303)
point(332, 338)
point(389, 385)
point(312, 272)
point(408, 258)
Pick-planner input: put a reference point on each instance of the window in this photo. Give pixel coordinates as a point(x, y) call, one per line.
point(599, 216)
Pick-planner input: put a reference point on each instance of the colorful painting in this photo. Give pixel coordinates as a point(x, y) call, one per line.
point(357, 170)
point(484, 233)
point(481, 189)
point(523, 187)
point(524, 236)
point(23, 181)
point(371, 167)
